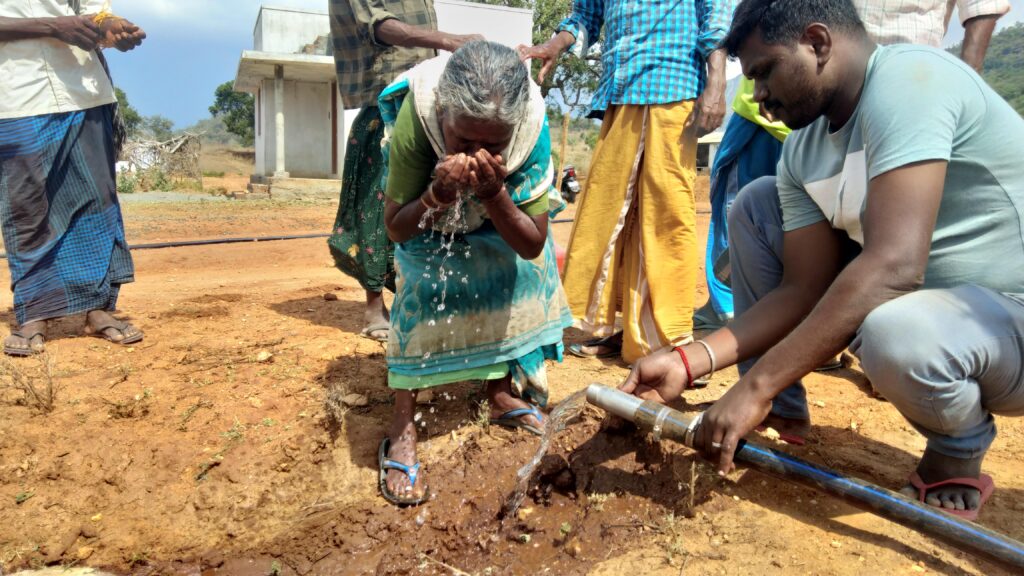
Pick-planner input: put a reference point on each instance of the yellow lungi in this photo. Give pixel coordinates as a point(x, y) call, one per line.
point(633, 250)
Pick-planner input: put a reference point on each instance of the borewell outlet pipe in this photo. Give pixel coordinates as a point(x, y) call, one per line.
point(665, 422)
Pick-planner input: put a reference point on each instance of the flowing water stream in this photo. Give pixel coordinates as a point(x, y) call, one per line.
point(566, 411)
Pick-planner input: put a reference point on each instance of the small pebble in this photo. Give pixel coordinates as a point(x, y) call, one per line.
point(819, 403)
point(330, 297)
point(837, 544)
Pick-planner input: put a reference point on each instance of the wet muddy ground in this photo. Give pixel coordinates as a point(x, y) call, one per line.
point(240, 437)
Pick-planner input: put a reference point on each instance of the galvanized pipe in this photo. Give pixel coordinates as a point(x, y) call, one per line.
point(665, 422)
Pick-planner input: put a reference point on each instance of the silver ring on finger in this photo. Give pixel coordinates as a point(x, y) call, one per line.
point(716, 445)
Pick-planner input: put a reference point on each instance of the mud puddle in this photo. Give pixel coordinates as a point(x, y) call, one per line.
point(592, 496)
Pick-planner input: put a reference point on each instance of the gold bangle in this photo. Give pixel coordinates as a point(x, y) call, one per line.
point(433, 197)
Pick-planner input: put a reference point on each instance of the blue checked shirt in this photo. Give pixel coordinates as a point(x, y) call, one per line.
point(654, 51)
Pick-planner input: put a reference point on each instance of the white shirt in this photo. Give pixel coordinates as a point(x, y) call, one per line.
point(920, 21)
point(44, 75)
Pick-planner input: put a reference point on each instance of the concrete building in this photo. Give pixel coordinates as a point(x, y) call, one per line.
point(301, 126)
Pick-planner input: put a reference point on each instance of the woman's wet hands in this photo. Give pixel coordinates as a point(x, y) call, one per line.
point(450, 176)
point(487, 174)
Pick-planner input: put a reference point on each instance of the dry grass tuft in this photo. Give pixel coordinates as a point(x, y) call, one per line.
point(38, 385)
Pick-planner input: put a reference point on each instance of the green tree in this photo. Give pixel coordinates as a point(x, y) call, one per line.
point(237, 110)
point(131, 116)
point(1004, 65)
point(158, 127)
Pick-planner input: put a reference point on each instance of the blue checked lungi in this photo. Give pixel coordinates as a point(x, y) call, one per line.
point(62, 225)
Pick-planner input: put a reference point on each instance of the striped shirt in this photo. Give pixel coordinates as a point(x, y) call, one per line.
point(920, 21)
point(652, 52)
point(365, 66)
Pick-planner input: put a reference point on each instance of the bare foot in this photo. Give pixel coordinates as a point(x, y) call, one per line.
point(501, 400)
point(935, 467)
point(376, 318)
point(27, 340)
point(403, 449)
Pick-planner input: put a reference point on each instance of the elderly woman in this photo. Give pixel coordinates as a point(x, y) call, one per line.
point(468, 198)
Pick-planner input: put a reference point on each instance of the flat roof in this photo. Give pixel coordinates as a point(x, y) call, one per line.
point(255, 66)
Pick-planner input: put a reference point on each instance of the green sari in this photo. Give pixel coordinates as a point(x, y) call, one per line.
point(359, 242)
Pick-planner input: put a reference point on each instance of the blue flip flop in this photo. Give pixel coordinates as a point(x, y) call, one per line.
point(511, 420)
point(412, 471)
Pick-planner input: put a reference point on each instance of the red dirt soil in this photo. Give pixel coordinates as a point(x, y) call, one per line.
point(221, 445)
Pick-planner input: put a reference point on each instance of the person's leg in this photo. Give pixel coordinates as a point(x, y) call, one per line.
point(661, 261)
point(359, 242)
point(501, 400)
point(947, 360)
point(592, 272)
point(403, 447)
point(376, 315)
point(755, 250)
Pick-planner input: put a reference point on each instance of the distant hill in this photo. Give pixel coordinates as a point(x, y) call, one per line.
point(213, 132)
point(1004, 65)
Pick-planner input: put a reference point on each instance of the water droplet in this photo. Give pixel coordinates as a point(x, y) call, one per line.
point(431, 323)
point(417, 417)
point(440, 307)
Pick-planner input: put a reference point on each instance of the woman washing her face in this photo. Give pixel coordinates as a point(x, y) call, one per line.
point(468, 198)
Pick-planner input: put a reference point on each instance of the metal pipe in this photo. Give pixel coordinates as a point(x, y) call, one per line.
point(666, 422)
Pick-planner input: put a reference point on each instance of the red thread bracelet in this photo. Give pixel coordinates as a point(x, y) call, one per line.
point(686, 363)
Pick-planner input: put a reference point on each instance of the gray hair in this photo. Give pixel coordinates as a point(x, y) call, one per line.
point(485, 81)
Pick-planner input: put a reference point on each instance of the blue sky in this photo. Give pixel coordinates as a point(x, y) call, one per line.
point(194, 46)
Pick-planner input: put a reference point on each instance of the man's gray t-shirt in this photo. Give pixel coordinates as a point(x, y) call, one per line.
point(919, 104)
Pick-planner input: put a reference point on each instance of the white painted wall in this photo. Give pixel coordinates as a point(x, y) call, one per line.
point(308, 126)
point(508, 26)
point(287, 30)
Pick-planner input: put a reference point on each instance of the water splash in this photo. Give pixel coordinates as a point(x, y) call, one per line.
point(566, 411)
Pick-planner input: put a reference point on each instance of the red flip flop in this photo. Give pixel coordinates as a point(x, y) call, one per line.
point(983, 484)
point(786, 437)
